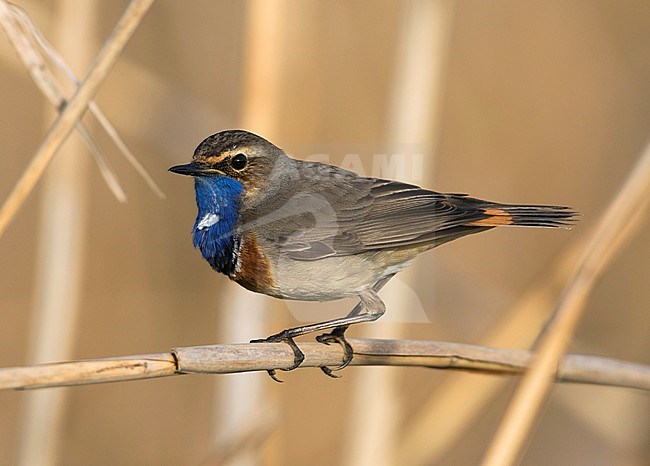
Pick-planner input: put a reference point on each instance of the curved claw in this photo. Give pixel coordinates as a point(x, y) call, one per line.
point(336, 336)
point(328, 372)
point(273, 374)
point(298, 355)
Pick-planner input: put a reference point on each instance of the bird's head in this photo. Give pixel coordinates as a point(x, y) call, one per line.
point(241, 156)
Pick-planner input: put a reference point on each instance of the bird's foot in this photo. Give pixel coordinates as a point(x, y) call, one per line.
point(282, 337)
point(336, 336)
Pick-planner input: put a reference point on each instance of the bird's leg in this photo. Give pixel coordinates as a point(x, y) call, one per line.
point(338, 334)
point(371, 305)
point(287, 336)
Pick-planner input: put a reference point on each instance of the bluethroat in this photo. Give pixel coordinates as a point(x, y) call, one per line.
point(310, 231)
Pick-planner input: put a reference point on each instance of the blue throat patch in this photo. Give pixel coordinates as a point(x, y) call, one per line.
point(217, 199)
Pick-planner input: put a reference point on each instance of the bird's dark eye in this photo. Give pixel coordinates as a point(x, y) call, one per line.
point(238, 162)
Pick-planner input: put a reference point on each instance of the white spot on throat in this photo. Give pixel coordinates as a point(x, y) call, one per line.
point(208, 220)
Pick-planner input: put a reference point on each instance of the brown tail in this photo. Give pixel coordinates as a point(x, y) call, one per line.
point(526, 215)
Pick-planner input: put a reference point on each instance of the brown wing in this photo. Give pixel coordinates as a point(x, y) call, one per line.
point(403, 215)
point(333, 212)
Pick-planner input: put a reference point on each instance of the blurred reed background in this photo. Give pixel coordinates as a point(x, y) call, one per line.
point(515, 101)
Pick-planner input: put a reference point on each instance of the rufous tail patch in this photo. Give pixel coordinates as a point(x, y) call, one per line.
point(497, 217)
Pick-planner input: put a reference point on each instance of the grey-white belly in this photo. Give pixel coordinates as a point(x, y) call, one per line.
point(331, 277)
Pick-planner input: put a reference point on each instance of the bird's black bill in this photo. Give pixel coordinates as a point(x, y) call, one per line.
point(194, 169)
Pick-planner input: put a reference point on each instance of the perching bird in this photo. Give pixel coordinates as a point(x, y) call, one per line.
point(310, 231)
